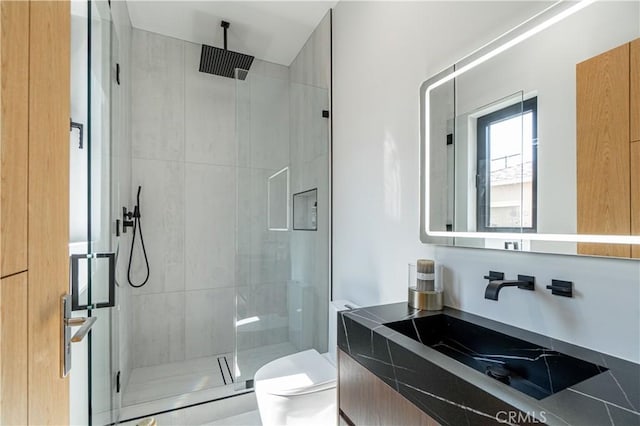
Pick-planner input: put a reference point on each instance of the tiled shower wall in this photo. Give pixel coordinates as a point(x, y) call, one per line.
point(184, 156)
point(195, 176)
point(310, 84)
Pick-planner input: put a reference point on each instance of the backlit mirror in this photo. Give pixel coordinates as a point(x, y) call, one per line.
point(532, 142)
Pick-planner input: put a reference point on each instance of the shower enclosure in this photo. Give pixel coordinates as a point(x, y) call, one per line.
point(235, 212)
point(232, 286)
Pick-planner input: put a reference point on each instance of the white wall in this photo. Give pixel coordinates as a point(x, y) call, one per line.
point(383, 51)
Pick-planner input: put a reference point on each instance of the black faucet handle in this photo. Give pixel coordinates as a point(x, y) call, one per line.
point(494, 276)
point(527, 282)
point(561, 288)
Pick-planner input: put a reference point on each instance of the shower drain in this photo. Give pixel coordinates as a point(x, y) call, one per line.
point(225, 370)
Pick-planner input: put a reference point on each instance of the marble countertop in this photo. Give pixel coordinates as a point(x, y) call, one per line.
point(454, 394)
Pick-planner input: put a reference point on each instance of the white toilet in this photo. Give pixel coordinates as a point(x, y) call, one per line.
point(300, 389)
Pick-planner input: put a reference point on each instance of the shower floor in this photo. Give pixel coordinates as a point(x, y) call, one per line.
point(177, 378)
point(177, 384)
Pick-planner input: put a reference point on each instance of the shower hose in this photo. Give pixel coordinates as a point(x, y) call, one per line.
point(137, 228)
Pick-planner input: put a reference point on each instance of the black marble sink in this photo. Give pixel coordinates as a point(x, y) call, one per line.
point(439, 360)
point(532, 369)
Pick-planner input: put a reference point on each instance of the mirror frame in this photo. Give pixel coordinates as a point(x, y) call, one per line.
point(539, 22)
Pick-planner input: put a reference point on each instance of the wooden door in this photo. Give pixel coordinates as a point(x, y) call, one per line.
point(34, 216)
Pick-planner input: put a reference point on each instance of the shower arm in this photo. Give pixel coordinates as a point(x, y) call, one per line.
point(225, 25)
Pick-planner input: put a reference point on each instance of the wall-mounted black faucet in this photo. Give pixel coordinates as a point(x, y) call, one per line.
point(497, 282)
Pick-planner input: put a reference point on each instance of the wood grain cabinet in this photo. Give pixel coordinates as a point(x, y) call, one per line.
point(608, 131)
point(34, 209)
point(13, 360)
point(14, 135)
point(364, 399)
point(634, 81)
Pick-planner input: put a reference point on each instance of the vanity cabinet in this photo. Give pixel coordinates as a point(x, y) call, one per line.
point(364, 399)
point(608, 134)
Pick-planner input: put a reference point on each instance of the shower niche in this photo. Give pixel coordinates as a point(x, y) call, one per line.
point(305, 210)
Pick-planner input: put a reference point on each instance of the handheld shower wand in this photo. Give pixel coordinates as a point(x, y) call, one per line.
point(135, 223)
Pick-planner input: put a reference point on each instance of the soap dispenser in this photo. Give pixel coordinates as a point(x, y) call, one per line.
point(425, 286)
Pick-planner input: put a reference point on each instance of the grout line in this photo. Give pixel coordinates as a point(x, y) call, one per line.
point(184, 195)
point(203, 163)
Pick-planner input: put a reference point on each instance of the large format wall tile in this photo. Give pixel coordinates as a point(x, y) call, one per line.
point(270, 70)
point(158, 328)
point(157, 96)
point(209, 322)
point(210, 226)
point(162, 208)
point(269, 122)
point(309, 130)
point(210, 113)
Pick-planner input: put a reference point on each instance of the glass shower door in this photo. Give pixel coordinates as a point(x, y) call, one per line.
point(95, 359)
point(282, 283)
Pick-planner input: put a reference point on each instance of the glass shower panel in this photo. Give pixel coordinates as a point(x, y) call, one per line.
point(282, 286)
point(102, 347)
point(309, 288)
point(95, 360)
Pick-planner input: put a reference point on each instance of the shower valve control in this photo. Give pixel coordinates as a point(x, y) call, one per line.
point(127, 218)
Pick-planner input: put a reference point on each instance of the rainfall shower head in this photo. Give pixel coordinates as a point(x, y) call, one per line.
point(224, 62)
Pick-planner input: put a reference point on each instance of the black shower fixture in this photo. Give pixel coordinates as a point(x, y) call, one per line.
point(224, 62)
point(132, 220)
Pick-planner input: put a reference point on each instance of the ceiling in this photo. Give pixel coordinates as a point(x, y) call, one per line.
point(273, 31)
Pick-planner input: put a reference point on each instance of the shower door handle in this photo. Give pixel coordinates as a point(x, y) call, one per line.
point(85, 324)
point(75, 281)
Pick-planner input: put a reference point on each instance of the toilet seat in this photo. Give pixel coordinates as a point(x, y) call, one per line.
point(297, 374)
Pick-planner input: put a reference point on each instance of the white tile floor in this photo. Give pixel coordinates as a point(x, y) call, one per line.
point(251, 418)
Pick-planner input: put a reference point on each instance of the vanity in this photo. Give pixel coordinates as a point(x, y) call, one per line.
point(398, 365)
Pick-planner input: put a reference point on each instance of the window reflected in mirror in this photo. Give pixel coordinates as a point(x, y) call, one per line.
point(507, 168)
